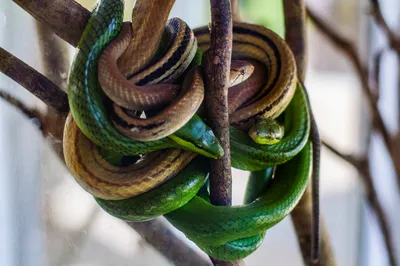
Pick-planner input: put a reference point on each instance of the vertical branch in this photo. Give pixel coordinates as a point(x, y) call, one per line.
point(216, 62)
point(307, 229)
point(296, 34)
point(235, 10)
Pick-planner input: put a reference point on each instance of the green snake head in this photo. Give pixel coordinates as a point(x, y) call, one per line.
point(266, 131)
point(196, 136)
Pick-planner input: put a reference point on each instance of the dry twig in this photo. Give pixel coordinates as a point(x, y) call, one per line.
point(348, 48)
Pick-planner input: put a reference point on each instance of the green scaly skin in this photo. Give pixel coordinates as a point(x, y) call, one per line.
point(213, 227)
point(225, 233)
point(250, 156)
point(86, 99)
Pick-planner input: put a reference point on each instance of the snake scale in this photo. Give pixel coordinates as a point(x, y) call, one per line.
point(169, 177)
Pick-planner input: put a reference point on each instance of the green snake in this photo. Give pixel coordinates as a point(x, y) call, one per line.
point(170, 179)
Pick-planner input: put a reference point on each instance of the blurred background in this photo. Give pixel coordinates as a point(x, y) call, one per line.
point(47, 219)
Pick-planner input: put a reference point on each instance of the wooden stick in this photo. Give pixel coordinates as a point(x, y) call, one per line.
point(33, 81)
point(216, 63)
point(296, 37)
point(66, 18)
point(160, 236)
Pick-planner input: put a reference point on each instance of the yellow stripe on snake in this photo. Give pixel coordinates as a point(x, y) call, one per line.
point(153, 115)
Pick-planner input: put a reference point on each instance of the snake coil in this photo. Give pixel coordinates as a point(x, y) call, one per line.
point(168, 177)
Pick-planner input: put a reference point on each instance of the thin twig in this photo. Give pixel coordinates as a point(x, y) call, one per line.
point(375, 73)
point(393, 38)
point(216, 63)
point(28, 112)
point(348, 48)
point(363, 167)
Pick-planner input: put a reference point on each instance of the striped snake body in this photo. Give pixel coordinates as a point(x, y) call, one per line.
point(170, 179)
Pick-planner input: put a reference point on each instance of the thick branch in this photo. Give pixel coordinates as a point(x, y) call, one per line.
point(33, 81)
point(66, 18)
point(160, 236)
point(346, 46)
point(295, 33)
point(216, 62)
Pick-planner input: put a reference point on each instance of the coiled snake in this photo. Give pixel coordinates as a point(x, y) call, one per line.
point(169, 178)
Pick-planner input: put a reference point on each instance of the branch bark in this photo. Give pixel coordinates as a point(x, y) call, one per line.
point(159, 234)
point(217, 63)
point(295, 34)
point(66, 18)
point(33, 81)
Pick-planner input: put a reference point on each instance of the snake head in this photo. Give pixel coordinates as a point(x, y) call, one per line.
point(196, 136)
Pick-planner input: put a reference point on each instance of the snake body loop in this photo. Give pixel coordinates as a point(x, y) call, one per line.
point(168, 180)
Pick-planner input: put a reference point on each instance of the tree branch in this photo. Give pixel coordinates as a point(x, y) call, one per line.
point(66, 18)
point(216, 63)
point(159, 234)
point(296, 33)
point(393, 38)
point(308, 206)
point(347, 47)
point(235, 10)
point(33, 81)
point(28, 112)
